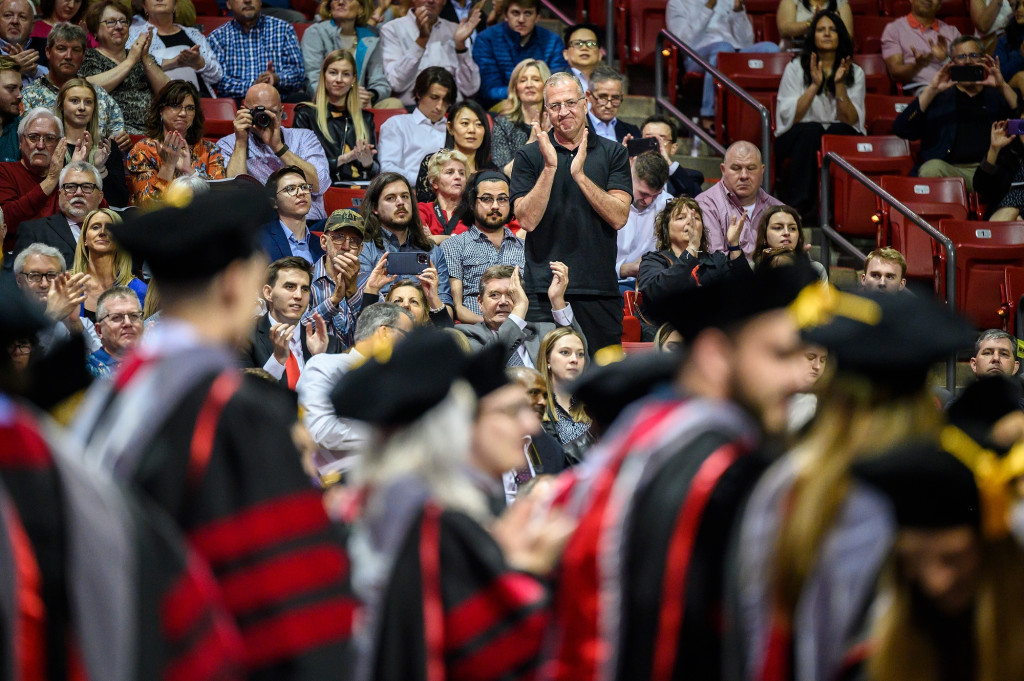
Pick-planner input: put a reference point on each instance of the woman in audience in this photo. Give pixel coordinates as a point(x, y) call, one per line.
point(175, 146)
point(468, 133)
point(181, 51)
point(793, 18)
point(53, 12)
point(336, 117)
point(822, 93)
point(76, 109)
point(560, 360)
point(100, 257)
point(130, 76)
point(1009, 49)
point(782, 229)
point(999, 180)
point(418, 296)
point(344, 27)
point(682, 260)
point(667, 339)
point(446, 174)
point(513, 130)
point(991, 18)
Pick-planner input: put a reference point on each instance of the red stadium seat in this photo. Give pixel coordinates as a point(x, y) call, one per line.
point(934, 199)
point(766, 27)
point(985, 251)
point(876, 75)
point(640, 21)
point(206, 8)
point(337, 198)
point(962, 23)
point(289, 115)
point(631, 347)
point(757, 73)
point(220, 115)
point(867, 33)
point(381, 115)
point(300, 28)
point(881, 111)
point(873, 156)
point(631, 329)
point(867, 7)
point(209, 23)
point(761, 6)
point(629, 302)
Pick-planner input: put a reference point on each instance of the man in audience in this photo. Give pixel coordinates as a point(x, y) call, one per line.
point(405, 140)
point(535, 386)
point(681, 181)
point(916, 46)
point(499, 48)
point(79, 192)
point(16, 20)
point(380, 326)
point(738, 196)
point(487, 242)
point(336, 294)
point(65, 50)
point(953, 120)
point(504, 304)
point(260, 150)
point(650, 173)
point(583, 51)
point(257, 49)
point(10, 108)
point(885, 271)
point(27, 186)
point(278, 344)
point(995, 352)
point(392, 225)
point(119, 325)
point(605, 97)
point(421, 39)
point(571, 191)
point(40, 272)
point(288, 235)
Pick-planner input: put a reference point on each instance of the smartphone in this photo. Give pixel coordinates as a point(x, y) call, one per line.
point(409, 263)
point(967, 73)
point(635, 147)
point(1015, 126)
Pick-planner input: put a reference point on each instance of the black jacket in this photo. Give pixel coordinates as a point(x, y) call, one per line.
point(53, 231)
point(662, 276)
point(260, 347)
point(344, 133)
point(992, 182)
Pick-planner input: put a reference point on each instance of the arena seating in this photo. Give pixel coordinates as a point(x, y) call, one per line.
point(934, 199)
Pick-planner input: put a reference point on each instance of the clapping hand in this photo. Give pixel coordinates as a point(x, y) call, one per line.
point(735, 229)
point(520, 303)
point(280, 338)
point(843, 69)
point(66, 294)
point(559, 282)
point(576, 168)
point(316, 334)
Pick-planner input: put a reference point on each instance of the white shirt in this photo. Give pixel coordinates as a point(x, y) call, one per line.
point(76, 229)
point(637, 236)
point(605, 130)
point(508, 478)
point(823, 107)
point(698, 26)
point(562, 317)
point(404, 59)
point(275, 368)
point(583, 79)
point(405, 140)
point(337, 438)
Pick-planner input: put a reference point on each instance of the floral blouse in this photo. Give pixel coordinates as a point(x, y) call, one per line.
point(133, 94)
point(144, 164)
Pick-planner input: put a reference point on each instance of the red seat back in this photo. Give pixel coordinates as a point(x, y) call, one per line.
point(881, 112)
point(932, 198)
point(289, 115)
point(381, 115)
point(866, 7)
point(1012, 290)
point(867, 33)
point(760, 75)
point(766, 27)
point(300, 28)
point(640, 22)
point(220, 115)
point(337, 198)
point(876, 75)
point(984, 253)
point(874, 156)
point(631, 347)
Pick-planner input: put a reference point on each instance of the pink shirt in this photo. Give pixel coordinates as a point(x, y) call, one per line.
point(719, 206)
point(906, 34)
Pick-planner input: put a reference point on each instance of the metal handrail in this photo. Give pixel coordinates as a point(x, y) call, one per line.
point(609, 33)
point(559, 14)
point(745, 97)
point(832, 159)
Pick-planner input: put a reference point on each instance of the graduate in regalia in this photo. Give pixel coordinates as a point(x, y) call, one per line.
point(213, 448)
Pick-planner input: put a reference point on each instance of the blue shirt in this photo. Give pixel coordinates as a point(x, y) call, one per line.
point(298, 248)
point(244, 55)
point(496, 52)
point(341, 318)
point(605, 130)
point(101, 364)
point(370, 254)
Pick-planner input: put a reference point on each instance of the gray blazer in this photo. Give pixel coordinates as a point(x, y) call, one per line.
point(322, 38)
point(511, 336)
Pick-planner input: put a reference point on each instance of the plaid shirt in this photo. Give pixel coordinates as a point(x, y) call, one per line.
point(340, 319)
point(244, 55)
point(469, 254)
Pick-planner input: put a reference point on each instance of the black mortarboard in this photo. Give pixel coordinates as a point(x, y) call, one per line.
point(982, 403)
point(192, 238)
point(19, 317)
point(399, 389)
point(929, 488)
point(892, 339)
point(486, 370)
point(734, 299)
point(607, 390)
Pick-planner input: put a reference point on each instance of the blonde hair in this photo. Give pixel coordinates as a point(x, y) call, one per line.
point(365, 10)
point(352, 104)
point(122, 260)
point(93, 125)
point(441, 157)
point(152, 304)
point(514, 108)
point(544, 368)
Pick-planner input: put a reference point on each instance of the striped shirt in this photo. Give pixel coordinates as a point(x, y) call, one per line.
point(243, 55)
point(469, 254)
point(340, 319)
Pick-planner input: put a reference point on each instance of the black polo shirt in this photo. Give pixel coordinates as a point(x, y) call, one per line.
point(571, 231)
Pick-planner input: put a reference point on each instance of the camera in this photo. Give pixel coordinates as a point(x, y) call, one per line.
point(260, 117)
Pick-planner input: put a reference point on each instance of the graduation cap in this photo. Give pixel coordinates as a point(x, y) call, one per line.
point(486, 370)
point(983, 403)
point(607, 390)
point(190, 238)
point(397, 390)
point(19, 317)
point(929, 487)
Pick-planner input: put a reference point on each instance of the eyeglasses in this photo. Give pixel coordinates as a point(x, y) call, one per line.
point(346, 241)
point(70, 188)
point(36, 277)
point(604, 100)
point(189, 108)
point(293, 189)
point(555, 107)
point(119, 317)
point(488, 200)
point(398, 330)
point(582, 43)
point(19, 348)
point(34, 137)
point(970, 56)
point(111, 23)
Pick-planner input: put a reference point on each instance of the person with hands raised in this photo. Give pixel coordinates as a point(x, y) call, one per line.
point(821, 93)
point(336, 287)
point(418, 296)
point(916, 46)
point(953, 119)
point(1000, 175)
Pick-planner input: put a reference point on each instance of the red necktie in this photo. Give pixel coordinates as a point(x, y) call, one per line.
point(291, 370)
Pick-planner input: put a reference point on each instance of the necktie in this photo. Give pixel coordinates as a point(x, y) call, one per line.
point(291, 370)
point(515, 359)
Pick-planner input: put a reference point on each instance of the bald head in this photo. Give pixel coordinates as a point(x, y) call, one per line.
point(742, 171)
point(262, 94)
point(536, 388)
point(742, 148)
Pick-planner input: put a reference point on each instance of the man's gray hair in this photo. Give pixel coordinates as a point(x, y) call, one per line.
point(196, 182)
point(114, 292)
point(38, 249)
point(376, 316)
point(603, 73)
point(562, 77)
point(39, 112)
point(82, 167)
point(69, 33)
point(995, 335)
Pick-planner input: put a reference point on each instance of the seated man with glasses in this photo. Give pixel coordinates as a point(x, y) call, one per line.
point(583, 51)
point(953, 119)
point(78, 192)
point(119, 326)
point(292, 199)
point(335, 293)
point(605, 97)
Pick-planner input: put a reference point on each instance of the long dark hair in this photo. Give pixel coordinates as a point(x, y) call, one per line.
point(173, 94)
point(844, 49)
point(465, 209)
point(1014, 31)
point(761, 242)
point(372, 223)
point(482, 157)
